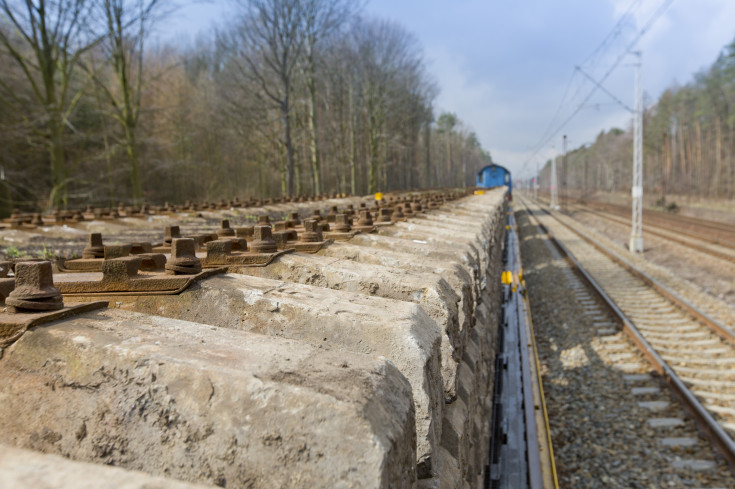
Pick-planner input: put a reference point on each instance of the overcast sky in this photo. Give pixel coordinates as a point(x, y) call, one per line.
point(504, 66)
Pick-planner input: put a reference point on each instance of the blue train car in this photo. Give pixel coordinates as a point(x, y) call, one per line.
point(495, 176)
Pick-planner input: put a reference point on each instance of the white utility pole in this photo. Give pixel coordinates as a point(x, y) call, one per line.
point(636, 234)
point(552, 185)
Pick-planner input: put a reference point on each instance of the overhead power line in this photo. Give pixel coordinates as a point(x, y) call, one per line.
point(629, 47)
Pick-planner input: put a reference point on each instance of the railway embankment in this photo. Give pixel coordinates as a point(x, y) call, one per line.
point(367, 364)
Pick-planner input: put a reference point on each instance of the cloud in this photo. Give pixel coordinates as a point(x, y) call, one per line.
point(459, 92)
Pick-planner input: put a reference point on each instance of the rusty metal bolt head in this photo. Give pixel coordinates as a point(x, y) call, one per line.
point(280, 226)
point(363, 205)
point(90, 209)
point(416, 207)
point(183, 259)
point(398, 213)
point(37, 220)
point(117, 251)
point(385, 213)
point(293, 220)
point(95, 248)
point(342, 223)
point(333, 210)
point(140, 247)
point(225, 229)
point(120, 270)
point(316, 214)
point(264, 220)
point(219, 249)
point(312, 231)
point(34, 289)
point(263, 242)
point(170, 233)
point(244, 232)
point(366, 219)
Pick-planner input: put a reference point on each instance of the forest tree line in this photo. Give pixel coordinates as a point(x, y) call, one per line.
point(688, 143)
point(290, 97)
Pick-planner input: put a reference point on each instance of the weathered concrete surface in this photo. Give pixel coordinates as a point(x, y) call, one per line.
point(420, 299)
point(475, 242)
point(400, 331)
point(207, 404)
point(430, 290)
point(33, 470)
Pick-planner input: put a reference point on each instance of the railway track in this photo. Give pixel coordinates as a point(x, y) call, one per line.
point(694, 353)
point(712, 232)
point(712, 247)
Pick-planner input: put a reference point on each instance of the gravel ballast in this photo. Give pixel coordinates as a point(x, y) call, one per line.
point(613, 422)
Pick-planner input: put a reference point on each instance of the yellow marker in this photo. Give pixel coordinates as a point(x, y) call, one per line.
point(479, 192)
point(379, 196)
point(507, 277)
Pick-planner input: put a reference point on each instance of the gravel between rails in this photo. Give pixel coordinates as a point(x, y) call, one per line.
point(601, 434)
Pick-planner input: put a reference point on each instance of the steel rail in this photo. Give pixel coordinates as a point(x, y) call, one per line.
point(680, 224)
point(720, 329)
point(651, 229)
point(722, 442)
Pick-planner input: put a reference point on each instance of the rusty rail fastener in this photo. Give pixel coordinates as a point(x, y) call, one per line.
point(366, 219)
point(385, 213)
point(95, 248)
point(293, 219)
point(225, 229)
point(398, 214)
point(342, 223)
point(183, 259)
point(245, 232)
point(312, 232)
point(263, 242)
point(116, 251)
point(34, 289)
point(170, 233)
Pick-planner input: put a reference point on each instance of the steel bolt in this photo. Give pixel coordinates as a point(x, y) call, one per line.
point(95, 248)
point(225, 229)
point(263, 242)
point(183, 258)
point(170, 233)
point(312, 232)
point(342, 223)
point(34, 289)
point(366, 219)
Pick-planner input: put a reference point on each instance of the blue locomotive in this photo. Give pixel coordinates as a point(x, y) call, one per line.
point(495, 176)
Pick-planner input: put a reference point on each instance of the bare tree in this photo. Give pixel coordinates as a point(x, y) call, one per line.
point(321, 18)
point(269, 44)
point(127, 24)
point(47, 40)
